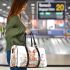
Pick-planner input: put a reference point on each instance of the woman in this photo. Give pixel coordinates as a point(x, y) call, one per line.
point(15, 29)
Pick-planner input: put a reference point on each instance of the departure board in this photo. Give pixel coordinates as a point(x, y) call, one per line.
point(51, 10)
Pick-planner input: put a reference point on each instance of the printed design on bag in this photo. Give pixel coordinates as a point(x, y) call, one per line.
point(14, 57)
point(23, 62)
point(22, 56)
point(32, 55)
point(19, 57)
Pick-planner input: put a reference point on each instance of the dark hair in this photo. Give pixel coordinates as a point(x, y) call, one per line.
point(16, 7)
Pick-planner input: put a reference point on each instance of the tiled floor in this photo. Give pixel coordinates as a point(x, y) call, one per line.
point(48, 68)
point(58, 53)
point(4, 68)
point(52, 68)
point(51, 59)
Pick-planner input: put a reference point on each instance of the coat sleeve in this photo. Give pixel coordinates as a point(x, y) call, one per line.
point(14, 27)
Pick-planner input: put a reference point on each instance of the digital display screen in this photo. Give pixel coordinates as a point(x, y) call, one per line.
point(55, 28)
point(52, 10)
point(50, 19)
point(55, 24)
point(50, 28)
point(56, 33)
point(39, 27)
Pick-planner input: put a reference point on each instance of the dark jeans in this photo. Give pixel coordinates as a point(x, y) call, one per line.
point(13, 68)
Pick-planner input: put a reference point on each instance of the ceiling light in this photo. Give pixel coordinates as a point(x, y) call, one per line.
point(4, 15)
point(68, 7)
point(1, 19)
point(7, 13)
point(8, 7)
point(32, 5)
point(0, 9)
point(67, 13)
point(65, 9)
point(4, 11)
point(4, 4)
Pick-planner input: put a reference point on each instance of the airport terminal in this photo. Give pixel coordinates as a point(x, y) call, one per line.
point(49, 22)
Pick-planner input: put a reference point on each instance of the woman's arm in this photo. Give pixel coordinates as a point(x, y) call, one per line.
point(14, 27)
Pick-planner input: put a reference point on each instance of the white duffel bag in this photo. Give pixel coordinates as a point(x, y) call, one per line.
point(31, 56)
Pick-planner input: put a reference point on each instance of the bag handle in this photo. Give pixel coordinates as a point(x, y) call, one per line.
point(27, 53)
point(32, 36)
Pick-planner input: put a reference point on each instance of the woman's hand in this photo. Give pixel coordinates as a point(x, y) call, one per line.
point(28, 31)
point(28, 28)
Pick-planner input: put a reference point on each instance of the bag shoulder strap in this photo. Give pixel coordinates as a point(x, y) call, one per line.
point(32, 37)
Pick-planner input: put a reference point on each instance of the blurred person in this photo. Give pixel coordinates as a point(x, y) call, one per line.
point(67, 25)
point(15, 29)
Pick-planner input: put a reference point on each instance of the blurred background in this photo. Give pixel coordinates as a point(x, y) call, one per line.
point(55, 37)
